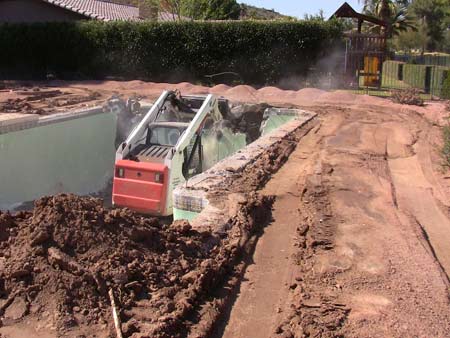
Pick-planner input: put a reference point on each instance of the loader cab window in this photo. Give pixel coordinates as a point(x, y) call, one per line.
point(176, 109)
point(202, 150)
point(163, 135)
point(193, 158)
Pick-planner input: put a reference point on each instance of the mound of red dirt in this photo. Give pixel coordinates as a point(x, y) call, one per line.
point(65, 257)
point(68, 253)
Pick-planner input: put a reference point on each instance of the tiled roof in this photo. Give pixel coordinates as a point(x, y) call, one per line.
point(104, 10)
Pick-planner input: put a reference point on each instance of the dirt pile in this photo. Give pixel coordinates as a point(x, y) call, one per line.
point(69, 252)
point(66, 255)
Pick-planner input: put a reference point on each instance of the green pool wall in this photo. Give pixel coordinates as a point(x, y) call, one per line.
point(75, 155)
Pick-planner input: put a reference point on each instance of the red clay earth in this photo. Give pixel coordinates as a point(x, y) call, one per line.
point(59, 262)
point(358, 245)
point(359, 242)
point(65, 94)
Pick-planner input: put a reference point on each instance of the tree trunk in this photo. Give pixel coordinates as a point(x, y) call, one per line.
point(385, 14)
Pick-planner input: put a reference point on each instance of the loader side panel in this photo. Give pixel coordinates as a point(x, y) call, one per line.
point(141, 186)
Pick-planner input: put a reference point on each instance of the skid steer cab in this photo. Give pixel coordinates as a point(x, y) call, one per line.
point(180, 137)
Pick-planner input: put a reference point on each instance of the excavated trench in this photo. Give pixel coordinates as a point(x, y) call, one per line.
point(74, 152)
point(60, 261)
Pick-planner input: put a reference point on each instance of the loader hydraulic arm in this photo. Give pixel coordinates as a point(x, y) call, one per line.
point(138, 133)
point(209, 106)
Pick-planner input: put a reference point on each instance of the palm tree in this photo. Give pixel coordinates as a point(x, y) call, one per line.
point(372, 4)
point(394, 14)
point(382, 8)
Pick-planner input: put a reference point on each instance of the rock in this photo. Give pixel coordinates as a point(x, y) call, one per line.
point(135, 285)
point(190, 277)
point(120, 277)
point(64, 261)
point(182, 226)
point(237, 112)
point(130, 327)
point(40, 237)
point(312, 303)
point(20, 273)
point(35, 308)
point(140, 234)
point(17, 310)
point(207, 264)
point(184, 264)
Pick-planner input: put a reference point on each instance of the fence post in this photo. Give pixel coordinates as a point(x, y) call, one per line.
point(428, 71)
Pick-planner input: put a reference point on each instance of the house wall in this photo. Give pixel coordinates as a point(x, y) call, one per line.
point(34, 11)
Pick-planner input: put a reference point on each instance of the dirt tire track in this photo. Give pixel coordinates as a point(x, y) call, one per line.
point(365, 268)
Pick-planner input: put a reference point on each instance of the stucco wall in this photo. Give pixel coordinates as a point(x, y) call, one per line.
point(34, 11)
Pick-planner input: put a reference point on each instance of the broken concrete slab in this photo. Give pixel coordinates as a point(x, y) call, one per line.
point(17, 309)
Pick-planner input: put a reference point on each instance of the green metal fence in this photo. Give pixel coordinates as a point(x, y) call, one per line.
point(429, 74)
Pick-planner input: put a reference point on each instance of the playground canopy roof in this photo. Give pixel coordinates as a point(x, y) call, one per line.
point(347, 11)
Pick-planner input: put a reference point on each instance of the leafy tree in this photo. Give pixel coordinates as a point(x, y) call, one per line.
point(371, 5)
point(316, 17)
point(394, 13)
point(436, 14)
point(194, 9)
point(257, 13)
point(209, 9)
point(172, 6)
point(222, 10)
point(410, 40)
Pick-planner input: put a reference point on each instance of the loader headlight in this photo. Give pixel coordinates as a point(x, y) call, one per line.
point(121, 172)
point(159, 177)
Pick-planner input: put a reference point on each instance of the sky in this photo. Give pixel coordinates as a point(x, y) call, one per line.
point(300, 7)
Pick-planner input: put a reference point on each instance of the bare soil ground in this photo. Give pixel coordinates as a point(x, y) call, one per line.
point(27, 98)
point(360, 241)
point(358, 244)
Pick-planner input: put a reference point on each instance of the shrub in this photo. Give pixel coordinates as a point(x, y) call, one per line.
point(446, 147)
point(445, 91)
point(438, 77)
point(260, 52)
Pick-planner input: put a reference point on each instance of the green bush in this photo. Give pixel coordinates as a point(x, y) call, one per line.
point(438, 77)
point(259, 52)
point(446, 147)
point(445, 91)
